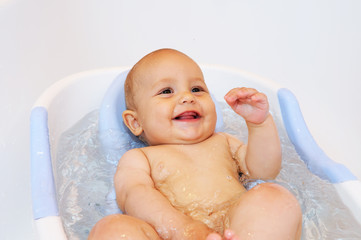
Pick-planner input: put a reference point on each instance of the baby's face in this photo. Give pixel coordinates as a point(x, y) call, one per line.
point(173, 102)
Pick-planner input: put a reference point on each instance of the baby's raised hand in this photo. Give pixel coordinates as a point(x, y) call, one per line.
point(248, 103)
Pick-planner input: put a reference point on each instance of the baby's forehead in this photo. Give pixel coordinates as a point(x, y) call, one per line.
point(158, 64)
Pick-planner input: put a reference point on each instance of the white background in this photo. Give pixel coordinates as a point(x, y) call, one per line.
point(312, 47)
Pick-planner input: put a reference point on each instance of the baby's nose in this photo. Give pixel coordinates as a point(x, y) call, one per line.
point(186, 97)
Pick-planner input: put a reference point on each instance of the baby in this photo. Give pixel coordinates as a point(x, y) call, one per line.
point(185, 184)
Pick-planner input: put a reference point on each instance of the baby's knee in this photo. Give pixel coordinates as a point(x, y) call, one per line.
point(279, 199)
point(271, 206)
point(109, 227)
point(120, 226)
point(274, 193)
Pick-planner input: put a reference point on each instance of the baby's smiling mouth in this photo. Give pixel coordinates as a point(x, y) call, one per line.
point(188, 115)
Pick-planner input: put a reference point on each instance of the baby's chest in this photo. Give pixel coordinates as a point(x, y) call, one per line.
point(185, 163)
point(186, 177)
point(192, 174)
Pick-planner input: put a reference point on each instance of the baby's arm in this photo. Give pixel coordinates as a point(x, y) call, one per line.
point(262, 157)
point(138, 197)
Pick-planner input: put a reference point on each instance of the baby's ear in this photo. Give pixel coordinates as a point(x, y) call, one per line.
point(131, 121)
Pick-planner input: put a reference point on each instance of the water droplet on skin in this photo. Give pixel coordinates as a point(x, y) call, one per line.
point(251, 235)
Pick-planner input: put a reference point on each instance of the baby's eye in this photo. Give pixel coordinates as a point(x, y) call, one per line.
point(166, 91)
point(197, 89)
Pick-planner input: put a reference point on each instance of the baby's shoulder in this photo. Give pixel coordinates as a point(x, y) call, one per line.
point(151, 152)
point(133, 156)
point(134, 152)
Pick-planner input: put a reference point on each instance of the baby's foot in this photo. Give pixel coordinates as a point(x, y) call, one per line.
point(230, 235)
point(214, 236)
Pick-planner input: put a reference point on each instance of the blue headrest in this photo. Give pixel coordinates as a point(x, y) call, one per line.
point(114, 135)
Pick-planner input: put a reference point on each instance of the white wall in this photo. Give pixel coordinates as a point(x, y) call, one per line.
point(312, 47)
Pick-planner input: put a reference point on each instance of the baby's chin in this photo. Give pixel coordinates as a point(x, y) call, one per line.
point(179, 141)
point(190, 141)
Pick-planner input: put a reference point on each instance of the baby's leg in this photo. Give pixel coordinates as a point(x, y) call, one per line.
point(267, 211)
point(118, 226)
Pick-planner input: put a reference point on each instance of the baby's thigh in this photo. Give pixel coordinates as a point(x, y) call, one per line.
point(119, 226)
point(267, 211)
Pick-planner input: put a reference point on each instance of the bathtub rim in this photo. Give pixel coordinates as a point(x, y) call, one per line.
point(48, 95)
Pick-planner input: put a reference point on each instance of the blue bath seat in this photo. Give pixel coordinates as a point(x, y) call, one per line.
point(314, 157)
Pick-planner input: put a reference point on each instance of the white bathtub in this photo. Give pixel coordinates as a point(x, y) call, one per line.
point(310, 47)
point(68, 100)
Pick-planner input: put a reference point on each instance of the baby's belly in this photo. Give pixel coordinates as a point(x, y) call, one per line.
point(207, 200)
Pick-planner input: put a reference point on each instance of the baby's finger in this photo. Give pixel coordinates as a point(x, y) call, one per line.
point(231, 96)
point(240, 93)
point(259, 97)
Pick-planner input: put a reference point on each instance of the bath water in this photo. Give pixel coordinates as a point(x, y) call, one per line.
point(84, 181)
